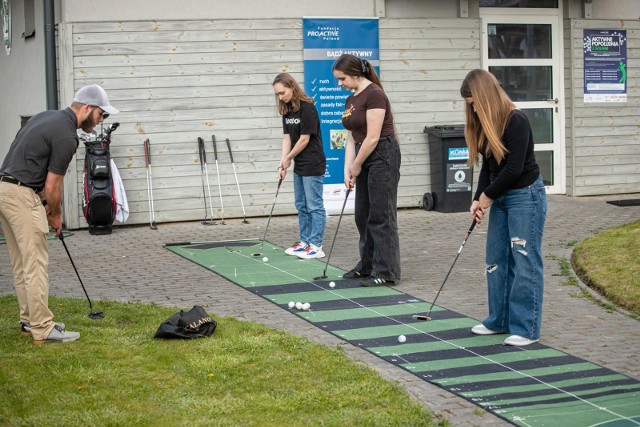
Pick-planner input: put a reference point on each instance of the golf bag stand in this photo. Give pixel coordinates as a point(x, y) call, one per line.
point(98, 195)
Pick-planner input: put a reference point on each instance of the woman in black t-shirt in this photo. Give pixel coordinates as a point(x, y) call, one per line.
point(510, 183)
point(302, 143)
point(372, 165)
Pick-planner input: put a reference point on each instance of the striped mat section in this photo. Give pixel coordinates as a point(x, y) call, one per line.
point(529, 386)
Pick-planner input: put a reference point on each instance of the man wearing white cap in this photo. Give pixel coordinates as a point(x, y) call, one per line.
point(31, 178)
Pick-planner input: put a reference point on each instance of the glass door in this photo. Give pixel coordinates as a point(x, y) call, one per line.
point(522, 48)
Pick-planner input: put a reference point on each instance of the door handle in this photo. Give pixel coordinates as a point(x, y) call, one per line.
point(555, 100)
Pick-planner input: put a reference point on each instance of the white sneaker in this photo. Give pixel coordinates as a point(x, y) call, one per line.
point(483, 330)
point(295, 248)
point(517, 340)
point(59, 334)
point(311, 251)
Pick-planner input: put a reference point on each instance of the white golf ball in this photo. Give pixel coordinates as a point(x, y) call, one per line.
point(265, 259)
point(402, 338)
point(306, 306)
point(299, 305)
point(332, 284)
point(292, 304)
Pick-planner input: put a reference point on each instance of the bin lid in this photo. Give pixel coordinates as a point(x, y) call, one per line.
point(445, 131)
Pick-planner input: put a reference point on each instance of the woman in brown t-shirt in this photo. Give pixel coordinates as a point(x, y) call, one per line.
point(372, 165)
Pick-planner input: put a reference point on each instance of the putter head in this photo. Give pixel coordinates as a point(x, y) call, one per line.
point(256, 254)
point(422, 317)
point(245, 222)
point(320, 278)
point(96, 315)
point(154, 227)
point(207, 222)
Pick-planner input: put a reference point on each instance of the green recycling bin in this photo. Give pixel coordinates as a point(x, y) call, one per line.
point(451, 177)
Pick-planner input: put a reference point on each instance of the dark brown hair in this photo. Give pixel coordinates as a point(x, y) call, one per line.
point(355, 67)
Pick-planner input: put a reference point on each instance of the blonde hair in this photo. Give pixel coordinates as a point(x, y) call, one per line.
point(493, 107)
point(297, 96)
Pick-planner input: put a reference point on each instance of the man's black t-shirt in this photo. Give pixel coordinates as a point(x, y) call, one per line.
point(47, 142)
point(311, 161)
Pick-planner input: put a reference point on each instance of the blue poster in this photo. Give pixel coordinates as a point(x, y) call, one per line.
point(324, 40)
point(605, 65)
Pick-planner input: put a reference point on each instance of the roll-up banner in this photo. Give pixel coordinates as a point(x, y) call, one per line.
point(324, 40)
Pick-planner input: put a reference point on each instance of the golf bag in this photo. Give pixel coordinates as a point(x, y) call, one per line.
point(98, 195)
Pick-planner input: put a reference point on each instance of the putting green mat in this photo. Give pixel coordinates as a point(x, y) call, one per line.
point(528, 386)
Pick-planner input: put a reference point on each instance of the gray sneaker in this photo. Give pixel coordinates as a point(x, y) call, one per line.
point(25, 328)
point(58, 334)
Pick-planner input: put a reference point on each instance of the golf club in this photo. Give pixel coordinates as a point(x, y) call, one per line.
point(324, 273)
point(203, 165)
point(215, 153)
point(269, 220)
point(244, 221)
point(147, 161)
point(92, 315)
point(427, 316)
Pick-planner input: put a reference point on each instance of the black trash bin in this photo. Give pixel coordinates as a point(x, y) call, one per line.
point(451, 178)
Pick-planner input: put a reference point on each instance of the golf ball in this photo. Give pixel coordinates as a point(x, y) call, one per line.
point(402, 338)
point(306, 306)
point(332, 284)
point(265, 259)
point(292, 304)
point(299, 305)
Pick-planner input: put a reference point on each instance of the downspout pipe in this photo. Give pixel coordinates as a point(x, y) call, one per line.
point(50, 54)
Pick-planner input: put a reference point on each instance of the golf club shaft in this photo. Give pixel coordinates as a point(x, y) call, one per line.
point(335, 235)
point(215, 154)
point(204, 195)
point(60, 236)
point(237, 182)
point(146, 164)
point(271, 213)
point(473, 225)
point(147, 156)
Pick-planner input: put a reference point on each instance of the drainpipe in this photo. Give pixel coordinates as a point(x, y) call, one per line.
point(50, 55)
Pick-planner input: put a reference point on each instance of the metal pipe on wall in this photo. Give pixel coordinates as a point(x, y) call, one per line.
point(51, 77)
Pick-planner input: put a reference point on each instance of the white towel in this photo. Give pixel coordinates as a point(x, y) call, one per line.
point(122, 211)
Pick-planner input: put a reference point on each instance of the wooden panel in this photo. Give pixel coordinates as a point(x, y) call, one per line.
point(175, 81)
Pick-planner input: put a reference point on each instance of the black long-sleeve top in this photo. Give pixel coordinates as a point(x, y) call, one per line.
point(518, 169)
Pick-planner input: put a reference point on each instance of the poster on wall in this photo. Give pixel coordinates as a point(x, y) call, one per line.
point(324, 40)
point(605, 65)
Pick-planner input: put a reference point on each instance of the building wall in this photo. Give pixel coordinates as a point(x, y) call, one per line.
point(602, 139)
point(201, 69)
point(22, 76)
point(175, 81)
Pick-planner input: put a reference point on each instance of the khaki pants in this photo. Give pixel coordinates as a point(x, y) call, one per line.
point(25, 226)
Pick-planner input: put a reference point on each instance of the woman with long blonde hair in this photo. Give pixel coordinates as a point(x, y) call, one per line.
point(302, 144)
point(511, 185)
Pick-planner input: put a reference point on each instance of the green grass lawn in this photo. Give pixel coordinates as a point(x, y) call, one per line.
point(609, 262)
point(246, 374)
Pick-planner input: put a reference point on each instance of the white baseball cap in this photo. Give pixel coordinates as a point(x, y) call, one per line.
point(96, 96)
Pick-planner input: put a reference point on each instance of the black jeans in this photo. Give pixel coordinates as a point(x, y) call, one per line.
point(376, 212)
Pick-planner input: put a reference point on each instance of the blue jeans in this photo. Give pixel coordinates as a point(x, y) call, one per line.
point(312, 216)
point(514, 261)
point(376, 212)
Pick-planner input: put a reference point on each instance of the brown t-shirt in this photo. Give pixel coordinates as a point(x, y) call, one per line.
point(354, 117)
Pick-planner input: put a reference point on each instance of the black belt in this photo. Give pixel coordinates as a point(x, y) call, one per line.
point(12, 180)
point(388, 138)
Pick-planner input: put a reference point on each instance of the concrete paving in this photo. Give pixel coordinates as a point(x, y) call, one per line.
point(132, 265)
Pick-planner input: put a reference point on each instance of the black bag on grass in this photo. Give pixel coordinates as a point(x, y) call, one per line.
point(194, 323)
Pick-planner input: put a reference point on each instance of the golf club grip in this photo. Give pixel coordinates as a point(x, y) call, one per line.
point(147, 157)
point(215, 149)
point(229, 148)
point(473, 225)
point(200, 149)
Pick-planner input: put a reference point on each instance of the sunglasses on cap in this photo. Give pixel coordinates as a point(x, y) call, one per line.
point(103, 113)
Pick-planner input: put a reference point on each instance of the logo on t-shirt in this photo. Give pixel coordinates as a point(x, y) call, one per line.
point(348, 111)
point(294, 121)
